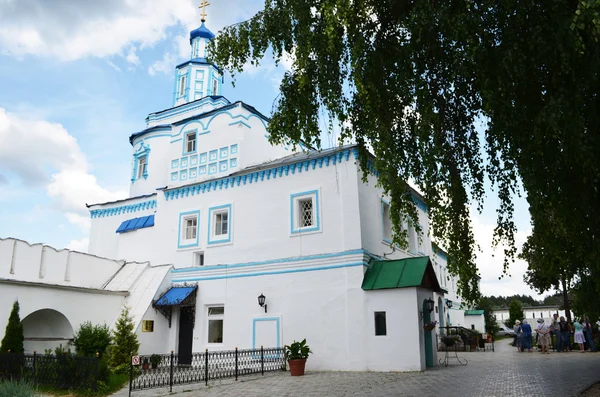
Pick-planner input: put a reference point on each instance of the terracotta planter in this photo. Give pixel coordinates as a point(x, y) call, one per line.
point(297, 366)
point(429, 327)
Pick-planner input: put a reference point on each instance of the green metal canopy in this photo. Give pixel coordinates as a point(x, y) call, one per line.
point(401, 273)
point(473, 312)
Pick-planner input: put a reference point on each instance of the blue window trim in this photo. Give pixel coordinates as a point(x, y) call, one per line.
point(317, 227)
point(277, 323)
point(383, 238)
point(185, 135)
point(221, 240)
point(144, 150)
point(184, 215)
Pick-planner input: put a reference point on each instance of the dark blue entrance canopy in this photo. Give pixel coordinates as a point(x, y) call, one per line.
point(175, 296)
point(136, 223)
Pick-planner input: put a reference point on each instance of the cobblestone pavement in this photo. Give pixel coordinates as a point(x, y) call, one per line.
point(503, 373)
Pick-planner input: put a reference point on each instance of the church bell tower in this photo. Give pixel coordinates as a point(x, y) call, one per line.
point(196, 78)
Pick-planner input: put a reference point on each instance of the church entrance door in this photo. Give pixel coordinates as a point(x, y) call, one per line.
point(186, 332)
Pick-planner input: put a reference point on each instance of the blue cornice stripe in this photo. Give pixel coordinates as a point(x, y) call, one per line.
point(280, 260)
point(259, 176)
point(124, 209)
point(267, 273)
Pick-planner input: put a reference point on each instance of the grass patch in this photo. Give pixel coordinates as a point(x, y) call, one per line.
point(115, 383)
point(17, 389)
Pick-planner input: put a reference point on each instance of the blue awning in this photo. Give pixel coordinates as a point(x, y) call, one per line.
point(175, 296)
point(136, 223)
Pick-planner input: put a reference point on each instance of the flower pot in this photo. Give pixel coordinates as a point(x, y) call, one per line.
point(145, 365)
point(428, 327)
point(297, 366)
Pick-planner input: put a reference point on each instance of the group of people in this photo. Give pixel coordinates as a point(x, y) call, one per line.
point(561, 329)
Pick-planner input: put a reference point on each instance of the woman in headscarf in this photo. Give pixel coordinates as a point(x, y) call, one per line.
point(579, 337)
point(543, 331)
point(525, 336)
point(517, 340)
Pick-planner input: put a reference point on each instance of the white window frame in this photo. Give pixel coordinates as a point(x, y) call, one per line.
point(191, 228)
point(386, 222)
point(296, 200)
point(213, 216)
point(198, 259)
point(142, 168)
point(182, 83)
point(188, 141)
point(183, 241)
point(215, 317)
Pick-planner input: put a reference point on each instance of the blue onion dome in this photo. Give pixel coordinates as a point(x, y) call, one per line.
point(202, 31)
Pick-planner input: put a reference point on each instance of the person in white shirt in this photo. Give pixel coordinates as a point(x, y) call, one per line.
point(543, 331)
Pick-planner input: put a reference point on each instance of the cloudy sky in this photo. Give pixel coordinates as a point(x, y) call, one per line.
point(78, 77)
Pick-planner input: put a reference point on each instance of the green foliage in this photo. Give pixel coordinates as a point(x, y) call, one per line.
point(296, 350)
point(491, 325)
point(412, 79)
point(515, 312)
point(125, 341)
point(91, 339)
point(13, 335)
point(155, 359)
point(13, 388)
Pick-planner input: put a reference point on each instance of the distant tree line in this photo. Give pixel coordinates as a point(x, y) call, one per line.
point(500, 301)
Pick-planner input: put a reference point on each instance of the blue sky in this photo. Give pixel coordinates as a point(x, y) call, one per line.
point(77, 78)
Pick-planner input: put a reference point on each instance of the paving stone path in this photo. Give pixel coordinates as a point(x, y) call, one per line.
point(503, 373)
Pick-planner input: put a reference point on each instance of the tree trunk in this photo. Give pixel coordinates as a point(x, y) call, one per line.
point(566, 299)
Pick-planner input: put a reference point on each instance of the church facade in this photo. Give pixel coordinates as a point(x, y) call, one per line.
point(265, 246)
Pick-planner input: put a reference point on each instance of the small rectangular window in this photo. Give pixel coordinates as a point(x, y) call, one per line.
point(190, 142)
point(147, 325)
point(473, 326)
point(380, 325)
point(198, 259)
point(412, 236)
point(387, 221)
point(142, 167)
point(215, 324)
point(191, 228)
point(182, 85)
point(215, 86)
point(305, 212)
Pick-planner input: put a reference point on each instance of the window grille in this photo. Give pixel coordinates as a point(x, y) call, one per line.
point(191, 142)
point(305, 212)
point(221, 223)
point(191, 226)
point(142, 167)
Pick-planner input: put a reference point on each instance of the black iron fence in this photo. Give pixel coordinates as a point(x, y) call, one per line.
point(166, 370)
point(63, 371)
point(463, 339)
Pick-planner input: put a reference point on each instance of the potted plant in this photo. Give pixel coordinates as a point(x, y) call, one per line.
point(145, 363)
point(429, 326)
point(450, 340)
point(155, 359)
point(296, 355)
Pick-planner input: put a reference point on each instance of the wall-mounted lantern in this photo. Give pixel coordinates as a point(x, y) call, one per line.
point(429, 304)
point(261, 301)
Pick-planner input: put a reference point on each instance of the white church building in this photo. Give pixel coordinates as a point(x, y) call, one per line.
point(218, 217)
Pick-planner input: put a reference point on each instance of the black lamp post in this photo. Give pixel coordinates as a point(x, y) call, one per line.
point(261, 301)
point(429, 304)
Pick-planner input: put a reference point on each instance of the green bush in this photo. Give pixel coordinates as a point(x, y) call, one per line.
point(17, 389)
point(91, 339)
point(13, 335)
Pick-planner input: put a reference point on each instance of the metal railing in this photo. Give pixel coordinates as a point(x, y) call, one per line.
point(63, 371)
point(462, 339)
point(167, 370)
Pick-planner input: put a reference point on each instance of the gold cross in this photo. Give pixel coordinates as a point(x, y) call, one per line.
point(203, 6)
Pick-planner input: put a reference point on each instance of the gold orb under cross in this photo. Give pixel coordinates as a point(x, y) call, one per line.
point(203, 5)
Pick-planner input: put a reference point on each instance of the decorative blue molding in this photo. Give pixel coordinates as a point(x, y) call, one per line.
point(124, 209)
point(257, 176)
point(254, 321)
point(142, 151)
point(240, 122)
point(194, 243)
point(220, 239)
point(184, 139)
point(317, 220)
point(186, 107)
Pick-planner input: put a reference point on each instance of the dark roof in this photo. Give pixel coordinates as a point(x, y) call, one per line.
point(120, 201)
point(226, 107)
point(147, 131)
point(202, 31)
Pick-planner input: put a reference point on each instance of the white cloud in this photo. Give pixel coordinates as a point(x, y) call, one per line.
point(83, 221)
point(71, 30)
point(80, 245)
point(132, 56)
point(44, 154)
point(170, 59)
